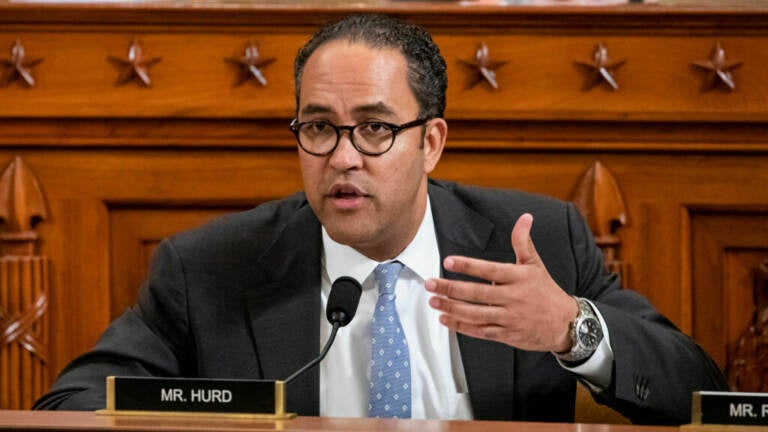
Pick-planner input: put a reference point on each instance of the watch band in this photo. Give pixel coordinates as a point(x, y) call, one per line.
point(586, 333)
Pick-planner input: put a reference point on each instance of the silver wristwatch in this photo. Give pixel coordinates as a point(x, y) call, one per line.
point(586, 333)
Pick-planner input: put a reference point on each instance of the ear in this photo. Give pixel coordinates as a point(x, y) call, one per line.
point(434, 141)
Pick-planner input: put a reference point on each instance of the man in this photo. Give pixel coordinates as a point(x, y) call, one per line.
point(477, 303)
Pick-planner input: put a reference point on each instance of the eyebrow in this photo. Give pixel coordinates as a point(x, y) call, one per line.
point(379, 108)
point(315, 109)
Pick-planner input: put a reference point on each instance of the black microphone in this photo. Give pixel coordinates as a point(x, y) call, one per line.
point(341, 308)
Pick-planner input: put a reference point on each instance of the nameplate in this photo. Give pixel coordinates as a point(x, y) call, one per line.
point(729, 408)
point(147, 395)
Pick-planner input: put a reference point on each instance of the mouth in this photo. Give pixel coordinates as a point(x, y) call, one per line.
point(346, 196)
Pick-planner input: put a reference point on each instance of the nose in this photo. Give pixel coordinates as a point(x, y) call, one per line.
point(345, 156)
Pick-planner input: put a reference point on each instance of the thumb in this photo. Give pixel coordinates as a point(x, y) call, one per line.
point(522, 244)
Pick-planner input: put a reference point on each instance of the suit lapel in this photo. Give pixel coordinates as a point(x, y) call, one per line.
point(488, 366)
point(285, 312)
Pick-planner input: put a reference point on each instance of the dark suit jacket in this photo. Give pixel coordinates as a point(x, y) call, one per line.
point(239, 298)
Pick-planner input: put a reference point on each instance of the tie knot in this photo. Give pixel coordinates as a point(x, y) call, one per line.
point(386, 276)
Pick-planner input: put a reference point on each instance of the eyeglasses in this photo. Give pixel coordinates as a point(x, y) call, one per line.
point(372, 138)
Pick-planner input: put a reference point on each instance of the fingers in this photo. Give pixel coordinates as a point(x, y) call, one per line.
point(515, 306)
point(478, 314)
point(522, 244)
point(490, 332)
point(479, 321)
point(472, 292)
point(481, 269)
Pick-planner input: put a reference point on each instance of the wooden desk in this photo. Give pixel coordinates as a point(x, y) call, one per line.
point(88, 421)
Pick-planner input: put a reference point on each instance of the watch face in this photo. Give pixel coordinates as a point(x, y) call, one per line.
point(590, 333)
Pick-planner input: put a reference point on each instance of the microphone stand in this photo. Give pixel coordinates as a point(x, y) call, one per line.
point(336, 325)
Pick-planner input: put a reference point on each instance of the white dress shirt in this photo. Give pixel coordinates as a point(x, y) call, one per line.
point(438, 382)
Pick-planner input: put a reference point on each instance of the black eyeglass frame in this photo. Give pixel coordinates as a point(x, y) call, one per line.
point(296, 125)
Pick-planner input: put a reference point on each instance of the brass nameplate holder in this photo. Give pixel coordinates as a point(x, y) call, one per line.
point(200, 397)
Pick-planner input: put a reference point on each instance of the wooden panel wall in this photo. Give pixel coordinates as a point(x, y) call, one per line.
point(120, 167)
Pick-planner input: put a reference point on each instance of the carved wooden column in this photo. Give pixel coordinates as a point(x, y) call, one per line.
point(599, 199)
point(23, 290)
point(748, 366)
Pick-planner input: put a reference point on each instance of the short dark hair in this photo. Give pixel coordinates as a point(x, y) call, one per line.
point(426, 67)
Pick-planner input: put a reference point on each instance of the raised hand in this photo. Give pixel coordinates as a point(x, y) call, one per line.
point(520, 305)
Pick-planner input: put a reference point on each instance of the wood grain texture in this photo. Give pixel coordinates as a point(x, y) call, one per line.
point(24, 289)
point(89, 421)
point(194, 80)
point(136, 230)
point(598, 198)
point(728, 244)
point(747, 366)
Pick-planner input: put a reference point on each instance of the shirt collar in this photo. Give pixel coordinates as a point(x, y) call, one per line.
point(421, 255)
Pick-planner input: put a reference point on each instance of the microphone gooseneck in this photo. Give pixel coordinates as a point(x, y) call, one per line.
point(341, 308)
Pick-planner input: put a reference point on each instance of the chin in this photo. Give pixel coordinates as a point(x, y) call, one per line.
point(347, 236)
point(344, 237)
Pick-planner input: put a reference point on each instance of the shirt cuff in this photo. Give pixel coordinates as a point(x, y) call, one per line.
point(597, 371)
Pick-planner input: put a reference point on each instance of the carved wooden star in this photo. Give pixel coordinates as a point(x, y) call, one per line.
point(136, 66)
point(718, 69)
point(250, 65)
point(485, 69)
point(601, 68)
point(18, 67)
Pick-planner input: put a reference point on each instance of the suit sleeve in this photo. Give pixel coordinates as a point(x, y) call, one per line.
point(656, 367)
point(149, 339)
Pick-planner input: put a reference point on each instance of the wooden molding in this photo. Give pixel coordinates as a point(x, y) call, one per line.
point(251, 65)
point(748, 366)
point(136, 66)
point(719, 70)
point(22, 207)
point(18, 66)
point(727, 245)
point(24, 290)
point(599, 199)
point(601, 69)
point(484, 69)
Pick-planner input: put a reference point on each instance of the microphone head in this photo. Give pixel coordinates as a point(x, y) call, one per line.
point(343, 300)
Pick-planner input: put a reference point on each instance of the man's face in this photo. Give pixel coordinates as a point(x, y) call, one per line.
point(371, 203)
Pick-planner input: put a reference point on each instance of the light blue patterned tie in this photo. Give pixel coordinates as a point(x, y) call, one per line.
point(390, 387)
